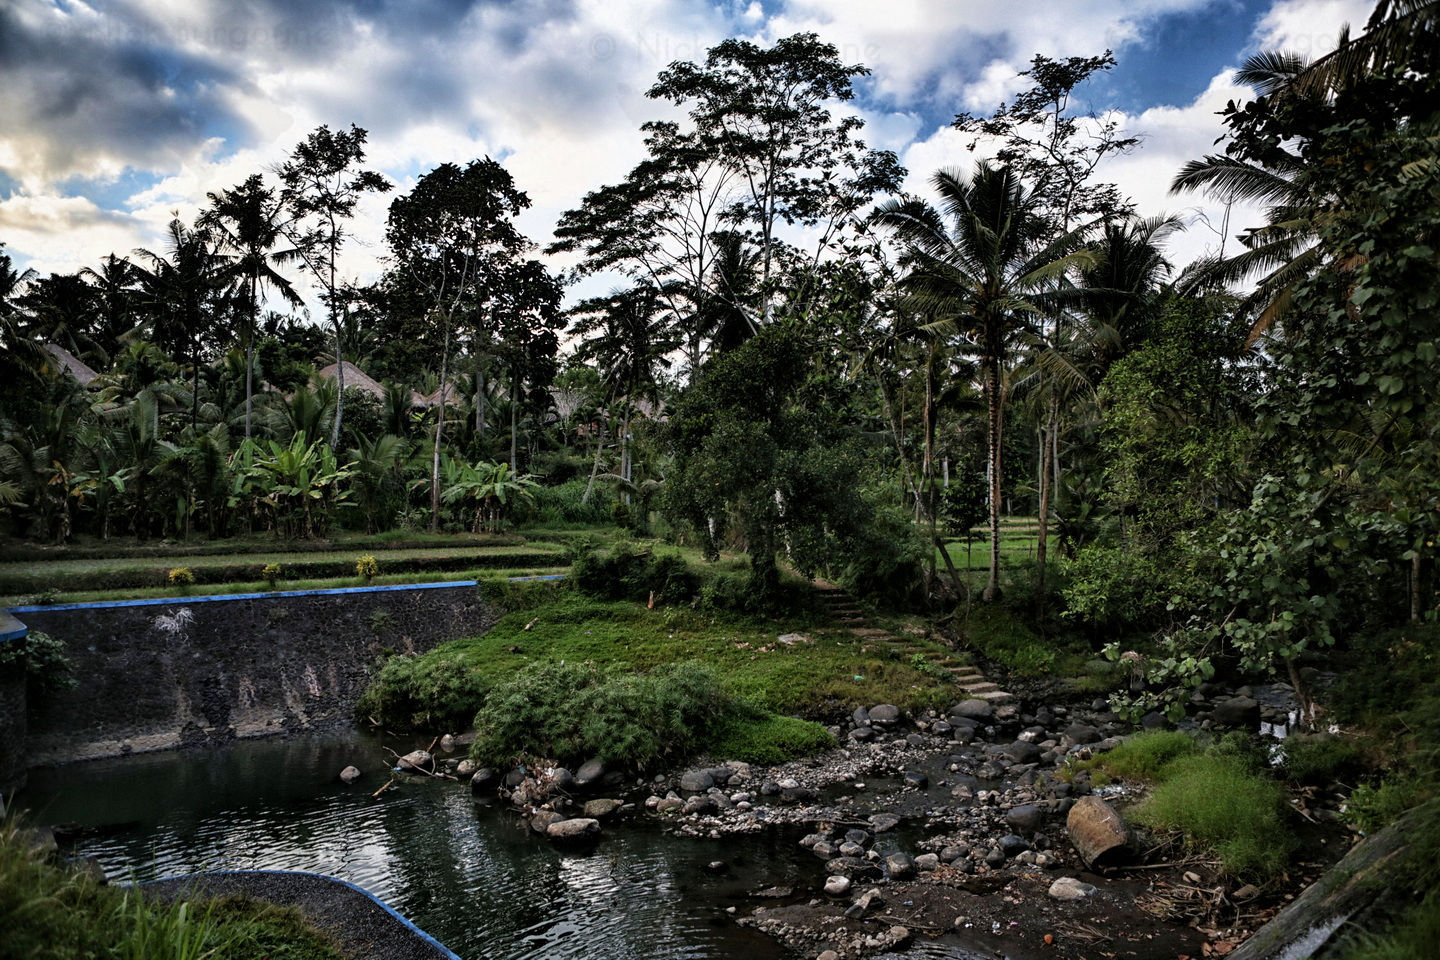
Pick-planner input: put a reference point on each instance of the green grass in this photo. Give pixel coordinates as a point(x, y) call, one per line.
point(813, 679)
point(1142, 757)
point(1219, 799)
point(125, 548)
point(1223, 808)
point(50, 912)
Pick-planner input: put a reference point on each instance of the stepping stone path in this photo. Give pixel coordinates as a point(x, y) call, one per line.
point(845, 610)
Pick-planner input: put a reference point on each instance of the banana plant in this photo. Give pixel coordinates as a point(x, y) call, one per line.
point(487, 487)
point(295, 487)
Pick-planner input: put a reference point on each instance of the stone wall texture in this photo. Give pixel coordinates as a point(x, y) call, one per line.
point(184, 673)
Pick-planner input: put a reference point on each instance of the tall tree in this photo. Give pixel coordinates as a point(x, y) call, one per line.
point(991, 273)
point(322, 185)
point(451, 239)
point(761, 152)
point(178, 293)
point(1055, 149)
point(248, 221)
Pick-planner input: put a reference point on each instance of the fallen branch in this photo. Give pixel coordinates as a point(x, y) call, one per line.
point(388, 784)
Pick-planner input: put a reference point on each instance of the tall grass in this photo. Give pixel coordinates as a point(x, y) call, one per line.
point(50, 912)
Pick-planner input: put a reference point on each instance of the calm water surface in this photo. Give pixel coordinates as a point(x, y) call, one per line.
point(469, 874)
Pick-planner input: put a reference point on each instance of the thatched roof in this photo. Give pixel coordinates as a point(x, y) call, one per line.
point(72, 364)
point(355, 377)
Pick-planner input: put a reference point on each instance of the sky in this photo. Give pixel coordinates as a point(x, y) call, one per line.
point(118, 115)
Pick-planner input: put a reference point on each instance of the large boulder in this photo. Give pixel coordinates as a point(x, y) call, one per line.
point(591, 772)
point(416, 761)
point(1022, 751)
point(484, 781)
point(350, 774)
point(542, 820)
point(601, 808)
point(1100, 835)
point(1237, 712)
point(696, 781)
point(581, 828)
point(974, 709)
point(884, 713)
point(1025, 817)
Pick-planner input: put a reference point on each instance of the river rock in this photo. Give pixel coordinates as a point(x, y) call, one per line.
point(466, 768)
point(484, 781)
point(882, 822)
point(1068, 888)
point(884, 713)
point(837, 886)
point(601, 808)
point(867, 901)
point(1081, 733)
point(702, 803)
point(916, 779)
point(974, 709)
point(416, 760)
point(1237, 712)
point(349, 774)
point(447, 743)
point(581, 828)
point(927, 862)
point(861, 717)
point(1100, 835)
point(562, 779)
point(696, 781)
point(542, 820)
point(1022, 751)
point(1025, 818)
point(862, 734)
point(514, 778)
point(1013, 845)
point(898, 866)
point(590, 773)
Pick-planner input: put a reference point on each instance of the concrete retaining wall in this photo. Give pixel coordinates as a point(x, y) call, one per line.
point(156, 674)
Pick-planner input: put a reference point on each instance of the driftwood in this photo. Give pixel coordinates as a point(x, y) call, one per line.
point(1362, 877)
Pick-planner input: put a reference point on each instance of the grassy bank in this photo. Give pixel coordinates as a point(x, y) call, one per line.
point(824, 671)
point(48, 911)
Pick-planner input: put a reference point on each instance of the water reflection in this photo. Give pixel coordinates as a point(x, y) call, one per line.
point(470, 874)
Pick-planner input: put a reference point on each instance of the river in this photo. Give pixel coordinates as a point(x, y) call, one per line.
point(467, 872)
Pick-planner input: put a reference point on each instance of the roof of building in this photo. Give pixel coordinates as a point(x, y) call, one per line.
point(72, 365)
point(355, 377)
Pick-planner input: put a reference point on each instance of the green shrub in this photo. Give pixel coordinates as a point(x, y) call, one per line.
point(1373, 807)
point(766, 738)
point(438, 691)
point(1111, 589)
point(574, 711)
point(367, 567)
point(561, 505)
point(42, 658)
point(631, 572)
point(180, 577)
point(1221, 807)
point(271, 572)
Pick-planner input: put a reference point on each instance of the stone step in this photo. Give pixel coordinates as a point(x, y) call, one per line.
point(994, 696)
point(870, 632)
point(975, 689)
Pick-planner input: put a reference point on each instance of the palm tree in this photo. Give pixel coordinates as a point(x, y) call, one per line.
point(983, 278)
point(627, 338)
point(247, 221)
point(116, 290)
point(177, 290)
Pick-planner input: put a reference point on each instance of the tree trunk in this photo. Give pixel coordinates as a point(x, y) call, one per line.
point(250, 358)
point(439, 430)
point(1047, 486)
point(994, 426)
point(340, 388)
point(595, 466)
point(514, 425)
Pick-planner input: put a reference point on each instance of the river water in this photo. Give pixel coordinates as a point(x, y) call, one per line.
point(468, 873)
